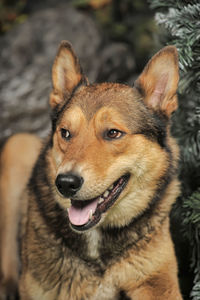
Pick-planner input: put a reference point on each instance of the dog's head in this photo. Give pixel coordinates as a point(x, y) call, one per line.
point(111, 148)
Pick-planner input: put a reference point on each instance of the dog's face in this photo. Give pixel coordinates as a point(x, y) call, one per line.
point(110, 150)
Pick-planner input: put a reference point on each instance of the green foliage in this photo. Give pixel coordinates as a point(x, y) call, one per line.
point(192, 221)
point(157, 4)
point(11, 13)
point(180, 24)
point(129, 21)
point(183, 25)
point(183, 30)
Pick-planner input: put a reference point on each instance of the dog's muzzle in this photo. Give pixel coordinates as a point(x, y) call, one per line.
point(68, 184)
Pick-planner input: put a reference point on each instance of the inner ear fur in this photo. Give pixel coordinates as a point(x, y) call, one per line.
point(66, 74)
point(158, 82)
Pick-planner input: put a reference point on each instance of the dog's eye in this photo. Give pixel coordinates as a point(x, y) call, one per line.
point(65, 134)
point(113, 134)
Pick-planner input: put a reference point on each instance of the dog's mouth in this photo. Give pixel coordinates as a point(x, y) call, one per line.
point(85, 214)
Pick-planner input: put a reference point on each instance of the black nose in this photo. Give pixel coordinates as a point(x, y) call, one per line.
point(68, 184)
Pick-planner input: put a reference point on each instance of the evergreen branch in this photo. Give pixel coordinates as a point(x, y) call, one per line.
point(184, 27)
point(158, 4)
point(192, 220)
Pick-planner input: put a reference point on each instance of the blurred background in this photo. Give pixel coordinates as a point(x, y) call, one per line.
point(114, 40)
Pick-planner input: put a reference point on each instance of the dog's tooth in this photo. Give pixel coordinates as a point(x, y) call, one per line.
point(90, 214)
point(111, 187)
point(106, 194)
point(101, 200)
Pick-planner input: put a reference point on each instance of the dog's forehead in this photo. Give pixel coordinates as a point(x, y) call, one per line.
point(124, 99)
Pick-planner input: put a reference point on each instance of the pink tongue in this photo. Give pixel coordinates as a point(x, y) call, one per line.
point(80, 216)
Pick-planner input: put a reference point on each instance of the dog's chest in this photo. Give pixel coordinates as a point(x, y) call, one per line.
point(75, 272)
point(87, 274)
point(84, 275)
point(93, 278)
point(93, 239)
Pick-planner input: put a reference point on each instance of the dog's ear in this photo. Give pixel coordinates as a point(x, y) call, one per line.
point(159, 81)
point(66, 74)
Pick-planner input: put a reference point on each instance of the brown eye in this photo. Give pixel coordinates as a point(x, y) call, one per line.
point(113, 134)
point(65, 134)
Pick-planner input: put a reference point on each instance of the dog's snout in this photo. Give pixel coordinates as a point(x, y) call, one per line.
point(68, 184)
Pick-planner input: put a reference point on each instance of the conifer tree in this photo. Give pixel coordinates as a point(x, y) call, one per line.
point(179, 21)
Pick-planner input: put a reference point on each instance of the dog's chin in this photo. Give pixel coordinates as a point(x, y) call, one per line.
point(86, 214)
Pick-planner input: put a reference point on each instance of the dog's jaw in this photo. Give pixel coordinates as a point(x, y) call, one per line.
point(84, 215)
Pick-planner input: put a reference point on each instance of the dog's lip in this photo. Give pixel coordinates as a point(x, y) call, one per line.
point(104, 203)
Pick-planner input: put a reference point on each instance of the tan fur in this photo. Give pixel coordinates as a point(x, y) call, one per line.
point(17, 159)
point(163, 87)
point(130, 249)
point(65, 73)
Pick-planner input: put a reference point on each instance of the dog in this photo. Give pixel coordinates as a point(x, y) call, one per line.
point(96, 198)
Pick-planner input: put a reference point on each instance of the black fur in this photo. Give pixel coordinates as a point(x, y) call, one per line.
point(123, 296)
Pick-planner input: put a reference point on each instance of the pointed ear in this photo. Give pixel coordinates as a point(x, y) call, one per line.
point(66, 74)
point(159, 81)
